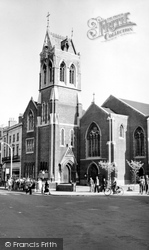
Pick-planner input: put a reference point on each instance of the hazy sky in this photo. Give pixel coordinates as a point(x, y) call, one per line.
point(118, 67)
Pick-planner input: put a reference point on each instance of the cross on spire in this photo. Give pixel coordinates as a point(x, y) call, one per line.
point(71, 33)
point(48, 20)
point(93, 98)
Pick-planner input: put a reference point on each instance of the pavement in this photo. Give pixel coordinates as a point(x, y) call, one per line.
point(82, 191)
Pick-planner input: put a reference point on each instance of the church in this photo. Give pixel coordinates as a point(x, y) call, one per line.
point(64, 143)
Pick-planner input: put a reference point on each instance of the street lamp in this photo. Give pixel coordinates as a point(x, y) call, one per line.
point(11, 156)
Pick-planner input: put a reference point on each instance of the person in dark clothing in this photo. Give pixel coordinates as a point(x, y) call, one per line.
point(114, 185)
point(29, 189)
point(46, 190)
point(103, 184)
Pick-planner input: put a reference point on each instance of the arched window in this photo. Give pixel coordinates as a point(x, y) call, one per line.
point(72, 74)
point(139, 142)
point(47, 111)
point(93, 141)
point(50, 71)
point(44, 73)
point(122, 131)
point(62, 72)
point(43, 111)
point(30, 122)
point(62, 137)
point(72, 137)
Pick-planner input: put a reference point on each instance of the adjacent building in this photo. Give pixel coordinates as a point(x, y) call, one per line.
point(11, 147)
point(115, 132)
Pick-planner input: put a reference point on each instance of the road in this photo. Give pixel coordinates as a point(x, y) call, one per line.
point(84, 222)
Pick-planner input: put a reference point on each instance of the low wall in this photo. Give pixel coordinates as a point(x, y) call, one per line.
point(66, 187)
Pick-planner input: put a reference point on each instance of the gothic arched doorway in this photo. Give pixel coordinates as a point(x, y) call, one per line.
point(92, 171)
point(66, 173)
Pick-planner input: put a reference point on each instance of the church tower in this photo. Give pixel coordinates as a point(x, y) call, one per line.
point(59, 108)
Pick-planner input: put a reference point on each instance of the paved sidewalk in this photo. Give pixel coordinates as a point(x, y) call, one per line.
point(85, 191)
point(80, 191)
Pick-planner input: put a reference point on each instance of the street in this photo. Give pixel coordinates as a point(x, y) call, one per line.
point(84, 222)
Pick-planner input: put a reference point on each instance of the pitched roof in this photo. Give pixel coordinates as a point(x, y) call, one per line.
point(141, 107)
point(108, 110)
point(53, 40)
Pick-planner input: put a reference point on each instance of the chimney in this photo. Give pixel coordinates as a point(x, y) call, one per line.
point(11, 122)
point(20, 118)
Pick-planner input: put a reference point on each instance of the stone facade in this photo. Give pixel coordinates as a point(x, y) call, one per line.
point(61, 143)
point(56, 113)
point(123, 129)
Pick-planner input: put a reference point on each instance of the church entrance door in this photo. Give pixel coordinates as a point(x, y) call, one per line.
point(92, 171)
point(66, 174)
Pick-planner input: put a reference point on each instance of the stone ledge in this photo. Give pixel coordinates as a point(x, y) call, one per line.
point(66, 187)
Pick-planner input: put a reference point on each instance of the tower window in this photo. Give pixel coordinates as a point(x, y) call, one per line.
point(30, 145)
point(62, 72)
point(72, 74)
point(30, 121)
point(139, 142)
point(62, 137)
point(122, 131)
point(44, 112)
point(44, 73)
point(72, 137)
point(93, 141)
point(50, 71)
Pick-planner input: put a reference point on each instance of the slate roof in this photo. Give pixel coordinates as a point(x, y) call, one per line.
point(53, 40)
point(108, 110)
point(141, 107)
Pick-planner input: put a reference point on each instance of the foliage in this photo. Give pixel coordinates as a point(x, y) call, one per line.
point(109, 167)
point(135, 166)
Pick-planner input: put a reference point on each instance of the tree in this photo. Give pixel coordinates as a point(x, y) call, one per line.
point(109, 167)
point(135, 167)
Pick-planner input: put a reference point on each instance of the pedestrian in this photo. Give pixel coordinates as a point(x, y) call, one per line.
point(104, 184)
point(114, 185)
point(96, 185)
point(46, 188)
point(142, 184)
point(9, 183)
point(91, 182)
point(29, 189)
point(40, 185)
point(147, 184)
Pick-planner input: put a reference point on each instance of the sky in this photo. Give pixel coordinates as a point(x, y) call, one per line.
point(117, 67)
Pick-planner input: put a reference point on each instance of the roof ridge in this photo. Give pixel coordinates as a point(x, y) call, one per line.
point(134, 101)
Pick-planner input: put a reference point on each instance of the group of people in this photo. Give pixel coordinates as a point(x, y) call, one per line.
point(96, 186)
point(144, 184)
point(28, 185)
point(99, 186)
point(41, 186)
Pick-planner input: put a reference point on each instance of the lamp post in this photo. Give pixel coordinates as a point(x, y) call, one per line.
point(10, 156)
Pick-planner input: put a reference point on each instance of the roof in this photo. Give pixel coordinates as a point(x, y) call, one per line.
point(53, 40)
point(141, 107)
point(108, 110)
